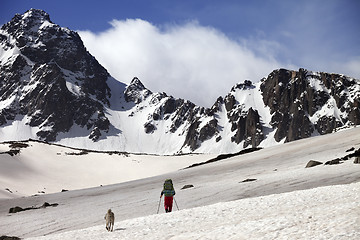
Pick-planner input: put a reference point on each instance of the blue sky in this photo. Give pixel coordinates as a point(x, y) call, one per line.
point(182, 46)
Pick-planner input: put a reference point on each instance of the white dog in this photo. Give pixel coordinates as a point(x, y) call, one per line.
point(110, 219)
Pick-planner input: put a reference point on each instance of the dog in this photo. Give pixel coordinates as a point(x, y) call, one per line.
point(110, 219)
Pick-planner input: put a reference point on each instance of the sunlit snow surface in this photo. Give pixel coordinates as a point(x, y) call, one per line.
point(274, 206)
point(331, 212)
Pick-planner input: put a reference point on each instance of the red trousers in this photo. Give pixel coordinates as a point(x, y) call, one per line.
point(168, 202)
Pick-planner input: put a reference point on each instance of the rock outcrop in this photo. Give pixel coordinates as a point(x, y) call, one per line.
point(51, 78)
point(52, 85)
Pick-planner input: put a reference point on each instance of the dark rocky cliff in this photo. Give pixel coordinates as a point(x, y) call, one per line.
point(49, 81)
point(294, 99)
point(38, 79)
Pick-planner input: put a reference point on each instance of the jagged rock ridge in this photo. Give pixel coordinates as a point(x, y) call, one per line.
point(303, 102)
point(50, 77)
point(51, 84)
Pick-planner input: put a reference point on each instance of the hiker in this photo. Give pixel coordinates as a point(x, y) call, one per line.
point(169, 192)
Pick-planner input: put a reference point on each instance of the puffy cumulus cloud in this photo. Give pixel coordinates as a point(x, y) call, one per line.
point(187, 61)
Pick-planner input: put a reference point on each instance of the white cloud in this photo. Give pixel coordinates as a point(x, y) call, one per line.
point(351, 67)
point(187, 61)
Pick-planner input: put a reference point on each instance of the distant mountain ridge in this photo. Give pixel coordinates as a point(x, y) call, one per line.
point(53, 89)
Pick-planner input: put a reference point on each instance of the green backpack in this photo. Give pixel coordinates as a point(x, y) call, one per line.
point(168, 185)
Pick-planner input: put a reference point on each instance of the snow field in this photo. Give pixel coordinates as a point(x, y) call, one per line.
point(50, 168)
point(277, 170)
point(331, 212)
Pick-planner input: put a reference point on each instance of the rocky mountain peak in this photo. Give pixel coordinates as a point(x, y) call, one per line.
point(305, 102)
point(136, 84)
point(247, 84)
point(36, 15)
point(136, 91)
point(48, 76)
point(53, 88)
point(31, 18)
point(27, 25)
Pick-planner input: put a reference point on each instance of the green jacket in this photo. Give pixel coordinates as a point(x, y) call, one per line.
point(168, 193)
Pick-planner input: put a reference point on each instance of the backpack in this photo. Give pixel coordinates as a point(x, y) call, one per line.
point(168, 185)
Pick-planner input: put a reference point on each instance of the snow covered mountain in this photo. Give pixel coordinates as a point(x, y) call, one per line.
point(52, 89)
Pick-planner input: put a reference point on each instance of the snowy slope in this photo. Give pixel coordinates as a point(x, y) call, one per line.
point(277, 170)
point(245, 99)
point(214, 132)
point(41, 168)
point(331, 212)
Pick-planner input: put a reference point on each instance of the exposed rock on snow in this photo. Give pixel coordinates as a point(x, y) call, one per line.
point(249, 180)
point(9, 238)
point(16, 209)
point(333, 162)
point(187, 186)
point(313, 163)
point(225, 156)
point(20, 209)
point(15, 148)
point(12, 152)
